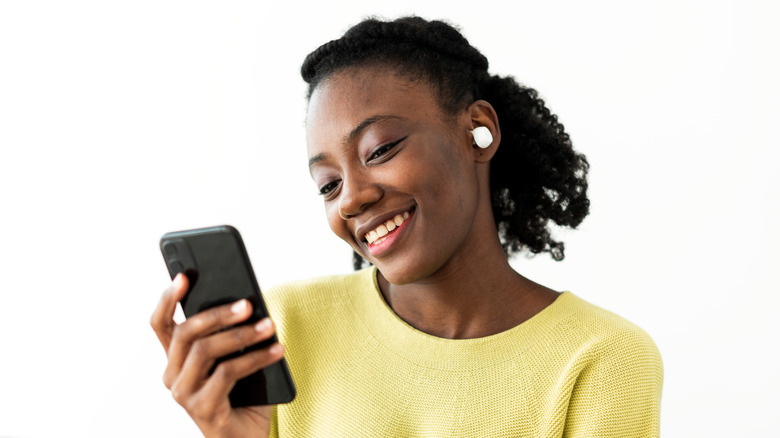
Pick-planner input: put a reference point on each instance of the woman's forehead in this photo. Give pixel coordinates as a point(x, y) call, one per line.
point(346, 98)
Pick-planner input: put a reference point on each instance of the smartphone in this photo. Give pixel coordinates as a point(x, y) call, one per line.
point(218, 268)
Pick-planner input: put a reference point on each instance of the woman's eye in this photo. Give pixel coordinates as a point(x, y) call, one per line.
point(329, 187)
point(385, 148)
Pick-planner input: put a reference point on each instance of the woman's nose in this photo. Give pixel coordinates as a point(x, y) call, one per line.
point(357, 194)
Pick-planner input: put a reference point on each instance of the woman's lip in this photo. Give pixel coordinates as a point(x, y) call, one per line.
point(361, 232)
point(377, 249)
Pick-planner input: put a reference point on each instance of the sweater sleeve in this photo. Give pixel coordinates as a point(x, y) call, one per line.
point(618, 391)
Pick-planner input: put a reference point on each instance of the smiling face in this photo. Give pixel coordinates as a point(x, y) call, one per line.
point(398, 176)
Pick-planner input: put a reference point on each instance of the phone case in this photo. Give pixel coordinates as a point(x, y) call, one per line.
point(217, 265)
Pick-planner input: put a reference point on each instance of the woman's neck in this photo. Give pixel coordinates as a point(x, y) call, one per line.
point(476, 294)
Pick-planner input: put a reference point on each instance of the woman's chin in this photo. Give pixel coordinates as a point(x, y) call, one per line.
point(400, 273)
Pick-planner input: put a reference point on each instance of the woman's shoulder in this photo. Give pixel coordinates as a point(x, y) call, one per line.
point(304, 309)
point(601, 332)
point(594, 320)
point(319, 290)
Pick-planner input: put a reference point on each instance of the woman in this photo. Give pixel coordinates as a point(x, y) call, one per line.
point(434, 172)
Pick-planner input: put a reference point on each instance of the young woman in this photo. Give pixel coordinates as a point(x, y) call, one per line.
point(434, 172)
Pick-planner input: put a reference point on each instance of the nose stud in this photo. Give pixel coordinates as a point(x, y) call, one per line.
point(482, 136)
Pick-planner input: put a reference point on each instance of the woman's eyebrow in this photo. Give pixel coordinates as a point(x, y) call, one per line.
point(365, 124)
point(317, 158)
point(355, 133)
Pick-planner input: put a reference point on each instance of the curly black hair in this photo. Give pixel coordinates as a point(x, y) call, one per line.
point(535, 176)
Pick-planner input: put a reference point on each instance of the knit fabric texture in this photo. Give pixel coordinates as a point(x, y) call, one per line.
point(572, 370)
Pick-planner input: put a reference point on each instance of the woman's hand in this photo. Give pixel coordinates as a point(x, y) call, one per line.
point(193, 347)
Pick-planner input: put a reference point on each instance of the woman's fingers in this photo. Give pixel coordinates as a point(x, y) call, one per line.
point(227, 373)
point(230, 341)
point(200, 326)
point(194, 346)
point(206, 351)
point(162, 318)
point(210, 400)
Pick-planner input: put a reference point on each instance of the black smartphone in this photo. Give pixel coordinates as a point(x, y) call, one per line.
point(217, 266)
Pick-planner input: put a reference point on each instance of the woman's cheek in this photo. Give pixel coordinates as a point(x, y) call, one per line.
point(339, 225)
point(335, 222)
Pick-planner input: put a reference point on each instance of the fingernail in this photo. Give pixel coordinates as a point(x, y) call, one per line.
point(275, 349)
point(263, 325)
point(177, 280)
point(238, 306)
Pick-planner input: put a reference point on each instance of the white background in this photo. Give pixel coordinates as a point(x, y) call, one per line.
point(120, 121)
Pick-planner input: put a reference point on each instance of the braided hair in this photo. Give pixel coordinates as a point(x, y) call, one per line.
point(535, 176)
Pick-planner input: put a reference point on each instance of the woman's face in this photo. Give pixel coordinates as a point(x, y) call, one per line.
point(397, 174)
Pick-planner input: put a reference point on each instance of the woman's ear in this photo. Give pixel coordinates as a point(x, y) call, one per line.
point(485, 146)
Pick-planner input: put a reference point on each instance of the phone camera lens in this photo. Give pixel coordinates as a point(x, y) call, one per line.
point(171, 250)
point(176, 267)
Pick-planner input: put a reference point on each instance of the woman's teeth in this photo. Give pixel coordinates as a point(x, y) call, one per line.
point(379, 234)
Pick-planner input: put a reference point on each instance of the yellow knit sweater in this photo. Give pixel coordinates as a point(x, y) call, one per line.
point(573, 370)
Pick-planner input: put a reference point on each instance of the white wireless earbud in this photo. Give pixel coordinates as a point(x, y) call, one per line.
point(482, 136)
